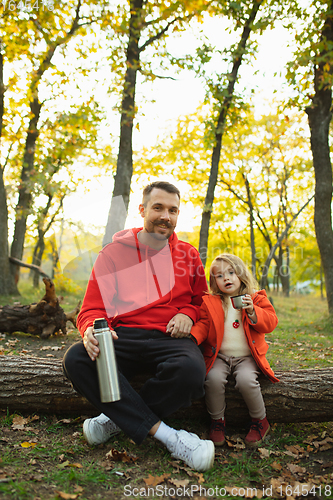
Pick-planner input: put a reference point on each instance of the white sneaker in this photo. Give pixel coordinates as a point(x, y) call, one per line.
point(195, 452)
point(99, 429)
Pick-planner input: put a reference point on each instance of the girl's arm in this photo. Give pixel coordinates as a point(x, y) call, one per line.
point(200, 330)
point(265, 313)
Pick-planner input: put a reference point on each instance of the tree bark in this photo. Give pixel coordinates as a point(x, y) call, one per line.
point(6, 287)
point(225, 105)
point(319, 117)
point(38, 385)
point(123, 177)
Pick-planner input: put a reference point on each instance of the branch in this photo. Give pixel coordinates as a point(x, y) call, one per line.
point(279, 240)
point(18, 262)
point(159, 34)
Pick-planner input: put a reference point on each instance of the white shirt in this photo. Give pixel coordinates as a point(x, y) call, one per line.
point(234, 342)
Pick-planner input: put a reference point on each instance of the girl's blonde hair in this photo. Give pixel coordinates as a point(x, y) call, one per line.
point(248, 282)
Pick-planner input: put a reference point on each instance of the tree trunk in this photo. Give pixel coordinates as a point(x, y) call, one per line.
point(319, 117)
point(283, 271)
point(37, 257)
point(252, 239)
point(123, 177)
point(25, 193)
point(23, 206)
point(44, 318)
point(225, 105)
point(38, 385)
point(6, 286)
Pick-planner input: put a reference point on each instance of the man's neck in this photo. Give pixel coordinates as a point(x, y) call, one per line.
point(147, 239)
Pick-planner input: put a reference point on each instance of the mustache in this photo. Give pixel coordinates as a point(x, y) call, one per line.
point(164, 222)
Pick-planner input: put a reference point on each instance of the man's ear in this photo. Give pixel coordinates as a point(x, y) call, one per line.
point(142, 210)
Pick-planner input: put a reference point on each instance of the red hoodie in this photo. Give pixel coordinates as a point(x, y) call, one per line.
point(135, 286)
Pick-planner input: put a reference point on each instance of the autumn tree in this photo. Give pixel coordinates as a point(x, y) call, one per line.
point(70, 138)
point(265, 182)
point(34, 38)
point(311, 73)
point(142, 28)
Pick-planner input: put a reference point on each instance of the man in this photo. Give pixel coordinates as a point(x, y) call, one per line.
point(149, 287)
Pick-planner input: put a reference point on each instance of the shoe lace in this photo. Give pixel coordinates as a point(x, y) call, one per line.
point(257, 427)
point(217, 426)
point(185, 448)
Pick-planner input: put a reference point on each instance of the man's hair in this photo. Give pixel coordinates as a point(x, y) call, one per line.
point(166, 186)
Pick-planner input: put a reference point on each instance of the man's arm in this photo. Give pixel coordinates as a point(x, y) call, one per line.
point(91, 343)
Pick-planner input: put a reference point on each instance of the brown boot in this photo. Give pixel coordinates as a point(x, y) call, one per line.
point(258, 431)
point(217, 431)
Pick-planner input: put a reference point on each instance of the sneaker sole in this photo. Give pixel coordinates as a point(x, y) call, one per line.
point(256, 443)
point(86, 433)
point(210, 460)
point(218, 443)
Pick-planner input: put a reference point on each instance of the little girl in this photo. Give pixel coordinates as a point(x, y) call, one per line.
point(234, 343)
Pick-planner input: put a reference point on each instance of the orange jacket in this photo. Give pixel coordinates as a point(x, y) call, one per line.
point(209, 330)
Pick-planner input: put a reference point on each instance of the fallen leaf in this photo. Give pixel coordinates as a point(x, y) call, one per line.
point(276, 466)
point(325, 447)
point(295, 449)
point(63, 464)
point(66, 496)
point(155, 480)
point(296, 469)
point(68, 464)
point(235, 442)
point(179, 483)
point(120, 456)
point(264, 453)
point(18, 420)
point(26, 444)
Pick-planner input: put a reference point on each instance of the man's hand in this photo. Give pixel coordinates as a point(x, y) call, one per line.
point(179, 326)
point(91, 343)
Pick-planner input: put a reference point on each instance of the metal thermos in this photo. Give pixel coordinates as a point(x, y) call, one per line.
point(106, 363)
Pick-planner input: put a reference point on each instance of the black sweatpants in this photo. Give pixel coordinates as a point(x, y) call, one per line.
point(178, 369)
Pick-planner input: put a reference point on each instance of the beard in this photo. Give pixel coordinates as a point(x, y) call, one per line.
point(150, 228)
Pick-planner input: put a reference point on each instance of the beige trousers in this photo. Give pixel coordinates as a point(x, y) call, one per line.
point(245, 372)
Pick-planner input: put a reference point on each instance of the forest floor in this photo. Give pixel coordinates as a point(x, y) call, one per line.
point(45, 457)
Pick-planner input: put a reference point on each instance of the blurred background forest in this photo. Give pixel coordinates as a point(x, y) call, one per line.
point(229, 100)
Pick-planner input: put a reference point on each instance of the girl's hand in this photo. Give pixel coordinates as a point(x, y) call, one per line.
point(248, 306)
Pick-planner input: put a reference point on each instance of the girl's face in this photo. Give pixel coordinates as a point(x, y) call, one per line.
point(226, 278)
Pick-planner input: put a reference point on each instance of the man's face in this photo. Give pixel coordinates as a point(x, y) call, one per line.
point(160, 213)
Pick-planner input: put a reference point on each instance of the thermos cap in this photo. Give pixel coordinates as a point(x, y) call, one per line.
point(100, 323)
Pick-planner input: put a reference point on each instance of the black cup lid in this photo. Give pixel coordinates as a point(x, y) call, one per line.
point(100, 323)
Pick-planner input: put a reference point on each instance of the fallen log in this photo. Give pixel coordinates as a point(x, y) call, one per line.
point(29, 384)
point(44, 318)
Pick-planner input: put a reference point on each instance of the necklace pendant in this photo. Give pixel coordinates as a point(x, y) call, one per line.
point(236, 324)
